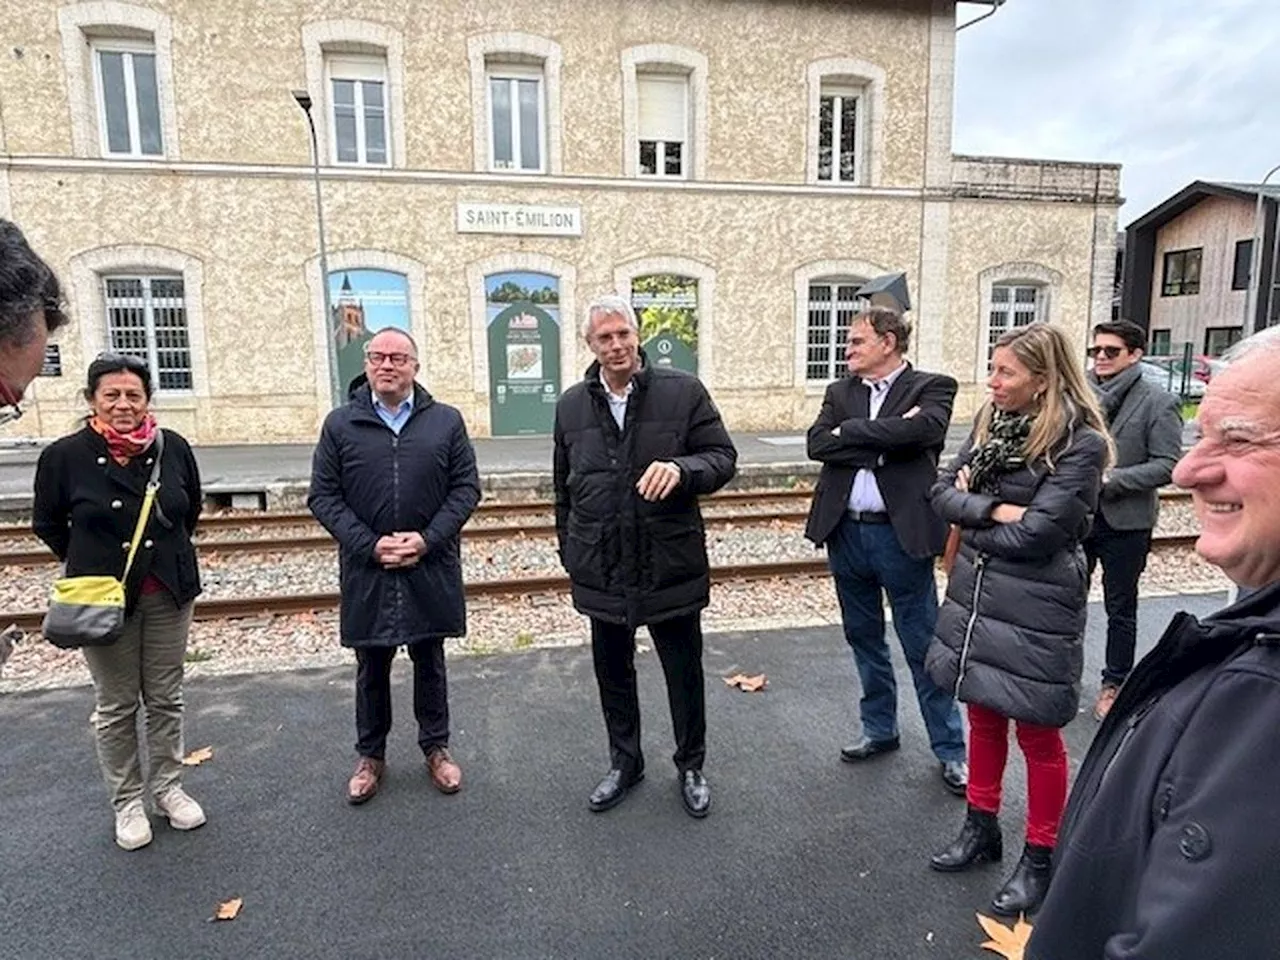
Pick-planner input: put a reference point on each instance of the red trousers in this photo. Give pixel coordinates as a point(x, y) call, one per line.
point(1046, 757)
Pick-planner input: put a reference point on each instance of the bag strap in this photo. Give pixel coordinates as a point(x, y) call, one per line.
point(148, 501)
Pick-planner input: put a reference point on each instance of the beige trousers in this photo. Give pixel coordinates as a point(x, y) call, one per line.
point(145, 666)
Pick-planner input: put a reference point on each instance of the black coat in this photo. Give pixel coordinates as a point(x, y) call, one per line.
point(87, 505)
point(632, 561)
point(1010, 635)
point(1168, 848)
point(901, 451)
point(367, 483)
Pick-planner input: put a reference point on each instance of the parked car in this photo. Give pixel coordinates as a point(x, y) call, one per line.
point(1167, 374)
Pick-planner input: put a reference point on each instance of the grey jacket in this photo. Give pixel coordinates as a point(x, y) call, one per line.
point(1147, 430)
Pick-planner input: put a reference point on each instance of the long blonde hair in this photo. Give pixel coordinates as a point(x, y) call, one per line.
point(1066, 399)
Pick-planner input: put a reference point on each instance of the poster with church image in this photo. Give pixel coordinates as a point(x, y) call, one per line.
point(523, 314)
point(666, 306)
point(363, 302)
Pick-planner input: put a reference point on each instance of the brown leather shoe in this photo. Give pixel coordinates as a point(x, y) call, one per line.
point(1106, 700)
point(445, 774)
point(364, 782)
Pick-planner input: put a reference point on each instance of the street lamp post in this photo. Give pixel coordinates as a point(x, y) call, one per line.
point(1255, 266)
point(331, 347)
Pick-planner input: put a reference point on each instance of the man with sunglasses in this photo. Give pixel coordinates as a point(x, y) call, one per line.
point(30, 310)
point(393, 480)
point(1146, 424)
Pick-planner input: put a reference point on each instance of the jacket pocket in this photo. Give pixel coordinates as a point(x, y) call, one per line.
point(584, 558)
point(677, 551)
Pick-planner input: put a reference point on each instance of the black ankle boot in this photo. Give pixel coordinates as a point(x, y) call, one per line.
point(1026, 887)
point(979, 842)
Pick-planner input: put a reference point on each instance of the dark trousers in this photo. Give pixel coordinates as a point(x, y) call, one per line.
point(867, 561)
point(679, 645)
point(1123, 554)
point(373, 697)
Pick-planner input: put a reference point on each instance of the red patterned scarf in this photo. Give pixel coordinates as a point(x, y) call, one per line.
point(123, 447)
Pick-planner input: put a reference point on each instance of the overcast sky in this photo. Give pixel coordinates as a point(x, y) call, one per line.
point(1174, 90)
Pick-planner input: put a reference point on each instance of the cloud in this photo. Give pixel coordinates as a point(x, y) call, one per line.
point(1175, 90)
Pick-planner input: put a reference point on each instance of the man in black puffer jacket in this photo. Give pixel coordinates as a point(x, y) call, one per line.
point(635, 445)
point(1168, 847)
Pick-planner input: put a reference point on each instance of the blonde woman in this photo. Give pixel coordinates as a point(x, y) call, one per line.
point(1009, 640)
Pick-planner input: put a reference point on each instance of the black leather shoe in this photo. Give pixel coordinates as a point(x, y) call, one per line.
point(1026, 887)
point(865, 749)
point(695, 793)
point(955, 776)
point(979, 842)
point(610, 791)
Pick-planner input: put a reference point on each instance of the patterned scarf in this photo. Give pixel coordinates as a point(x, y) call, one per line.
point(123, 447)
point(1002, 452)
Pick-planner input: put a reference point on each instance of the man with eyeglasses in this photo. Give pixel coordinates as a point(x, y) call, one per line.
point(30, 310)
point(1146, 424)
point(393, 480)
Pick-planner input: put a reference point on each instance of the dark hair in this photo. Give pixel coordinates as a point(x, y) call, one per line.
point(107, 363)
point(885, 321)
point(1132, 335)
point(27, 285)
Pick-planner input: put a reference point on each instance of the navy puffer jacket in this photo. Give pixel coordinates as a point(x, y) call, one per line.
point(1010, 634)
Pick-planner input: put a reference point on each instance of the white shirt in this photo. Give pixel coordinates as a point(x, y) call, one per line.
point(617, 401)
point(865, 496)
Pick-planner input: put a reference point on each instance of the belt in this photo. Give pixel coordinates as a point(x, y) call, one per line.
point(868, 516)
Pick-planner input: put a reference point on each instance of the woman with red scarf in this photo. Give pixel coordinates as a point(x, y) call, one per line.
point(89, 492)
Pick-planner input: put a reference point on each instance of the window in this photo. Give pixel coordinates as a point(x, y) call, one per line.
point(128, 99)
point(1243, 265)
point(515, 119)
point(1181, 273)
point(832, 306)
point(1218, 339)
point(147, 318)
point(1012, 305)
point(663, 124)
point(1161, 343)
point(358, 104)
point(839, 137)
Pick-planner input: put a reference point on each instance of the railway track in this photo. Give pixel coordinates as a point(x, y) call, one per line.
point(240, 607)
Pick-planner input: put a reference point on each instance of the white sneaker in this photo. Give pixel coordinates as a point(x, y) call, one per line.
point(133, 829)
point(183, 812)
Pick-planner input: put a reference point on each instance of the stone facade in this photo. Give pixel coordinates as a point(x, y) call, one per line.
point(230, 205)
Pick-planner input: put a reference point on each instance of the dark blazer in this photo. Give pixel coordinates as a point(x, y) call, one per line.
point(631, 561)
point(1168, 844)
point(366, 483)
point(86, 506)
point(902, 451)
point(1147, 430)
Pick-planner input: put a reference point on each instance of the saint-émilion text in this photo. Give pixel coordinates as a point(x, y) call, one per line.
point(519, 219)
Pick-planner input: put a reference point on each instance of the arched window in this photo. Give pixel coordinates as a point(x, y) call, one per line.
point(846, 122)
point(826, 302)
point(664, 106)
point(515, 103)
point(1013, 295)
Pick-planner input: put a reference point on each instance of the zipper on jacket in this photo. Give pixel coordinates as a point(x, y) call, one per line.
point(395, 500)
point(978, 565)
point(1130, 726)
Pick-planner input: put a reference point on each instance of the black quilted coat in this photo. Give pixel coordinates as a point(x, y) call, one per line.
point(1010, 634)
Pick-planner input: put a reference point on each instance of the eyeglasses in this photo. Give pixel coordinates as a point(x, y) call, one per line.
point(376, 358)
point(1109, 352)
point(123, 359)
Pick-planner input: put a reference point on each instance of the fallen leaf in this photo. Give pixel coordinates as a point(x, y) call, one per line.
point(747, 684)
point(229, 909)
point(197, 757)
point(1010, 943)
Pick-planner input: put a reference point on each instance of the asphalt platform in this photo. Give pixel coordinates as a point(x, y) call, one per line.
point(802, 856)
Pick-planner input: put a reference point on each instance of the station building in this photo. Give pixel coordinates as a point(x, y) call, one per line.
point(737, 167)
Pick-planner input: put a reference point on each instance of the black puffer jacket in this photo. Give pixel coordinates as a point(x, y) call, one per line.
point(1010, 634)
point(632, 561)
point(366, 483)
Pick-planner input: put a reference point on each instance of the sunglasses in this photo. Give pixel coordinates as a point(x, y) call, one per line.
point(123, 359)
point(1109, 352)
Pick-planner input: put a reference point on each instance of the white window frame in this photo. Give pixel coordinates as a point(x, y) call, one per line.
point(867, 81)
point(114, 25)
point(660, 145)
point(1039, 313)
point(512, 49)
point(149, 326)
point(127, 48)
point(821, 271)
point(1016, 274)
point(513, 73)
point(836, 363)
point(374, 70)
point(663, 58)
point(840, 92)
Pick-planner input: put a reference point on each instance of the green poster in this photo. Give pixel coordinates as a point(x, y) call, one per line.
point(524, 352)
point(667, 307)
